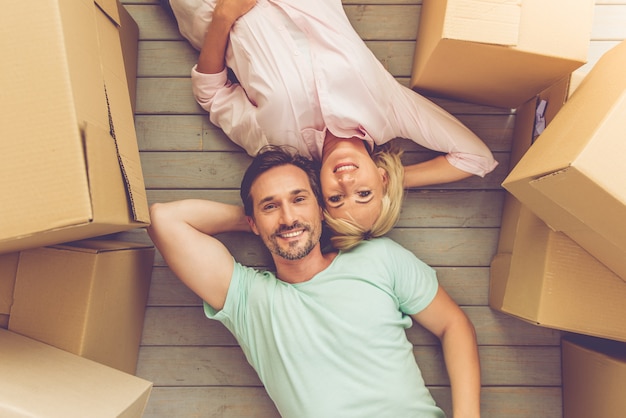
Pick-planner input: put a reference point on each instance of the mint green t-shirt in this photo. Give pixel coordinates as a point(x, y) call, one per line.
point(335, 346)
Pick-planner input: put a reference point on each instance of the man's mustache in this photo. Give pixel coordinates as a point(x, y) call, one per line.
point(286, 228)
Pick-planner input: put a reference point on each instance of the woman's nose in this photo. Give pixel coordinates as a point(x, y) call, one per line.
point(346, 178)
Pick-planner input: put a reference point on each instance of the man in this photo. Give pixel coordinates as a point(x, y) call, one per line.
point(326, 331)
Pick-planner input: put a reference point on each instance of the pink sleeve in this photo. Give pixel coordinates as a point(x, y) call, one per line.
point(229, 108)
point(430, 126)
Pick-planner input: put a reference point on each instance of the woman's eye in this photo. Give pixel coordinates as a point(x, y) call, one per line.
point(364, 193)
point(334, 199)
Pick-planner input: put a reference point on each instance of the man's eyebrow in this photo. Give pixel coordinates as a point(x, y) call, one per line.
point(294, 192)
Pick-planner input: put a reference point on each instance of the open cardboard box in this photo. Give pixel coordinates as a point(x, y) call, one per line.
point(573, 176)
point(68, 156)
point(87, 297)
point(38, 380)
point(498, 53)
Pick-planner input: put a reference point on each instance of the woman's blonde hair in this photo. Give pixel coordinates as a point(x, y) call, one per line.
point(346, 233)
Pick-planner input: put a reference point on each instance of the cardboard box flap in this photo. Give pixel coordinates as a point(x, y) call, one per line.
point(101, 245)
point(578, 195)
point(110, 8)
point(120, 120)
point(486, 21)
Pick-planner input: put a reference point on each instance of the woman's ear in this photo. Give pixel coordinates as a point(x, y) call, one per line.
point(384, 176)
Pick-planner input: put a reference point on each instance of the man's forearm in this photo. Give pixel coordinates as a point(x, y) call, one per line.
point(462, 362)
point(206, 216)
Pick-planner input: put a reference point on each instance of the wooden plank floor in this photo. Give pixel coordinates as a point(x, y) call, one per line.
point(196, 366)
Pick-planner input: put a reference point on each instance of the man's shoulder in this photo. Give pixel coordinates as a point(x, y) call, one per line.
point(243, 270)
point(378, 243)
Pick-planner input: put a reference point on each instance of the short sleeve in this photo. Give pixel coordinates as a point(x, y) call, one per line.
point(415, 282)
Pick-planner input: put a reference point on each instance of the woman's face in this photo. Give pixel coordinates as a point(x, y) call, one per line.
point(352, 185)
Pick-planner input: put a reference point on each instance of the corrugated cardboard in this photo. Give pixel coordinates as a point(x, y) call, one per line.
point(594, 378)
point(553, 282)
point(573, 176)
point(8, 270)
point(87, 298)
point(68, 155)
point(38, 380)
point(498, 53)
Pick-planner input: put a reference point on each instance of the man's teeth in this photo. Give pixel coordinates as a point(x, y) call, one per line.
point(291, 234)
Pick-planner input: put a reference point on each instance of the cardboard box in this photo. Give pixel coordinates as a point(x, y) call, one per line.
point(88, 298)
point(573, 176)
point(498, 53)
point(552, 282)
point(594, 378)
point(38, 380)
point(68, 156)
point(542, 276)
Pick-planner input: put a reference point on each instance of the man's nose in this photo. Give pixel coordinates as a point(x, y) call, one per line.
point(288, 215)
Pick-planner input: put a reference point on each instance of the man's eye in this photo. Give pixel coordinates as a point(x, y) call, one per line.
point(334, 199)
point(300, 199)
point(364, 193)
point(269, 207)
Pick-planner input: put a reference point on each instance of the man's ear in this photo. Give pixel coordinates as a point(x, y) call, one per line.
point(252, 225)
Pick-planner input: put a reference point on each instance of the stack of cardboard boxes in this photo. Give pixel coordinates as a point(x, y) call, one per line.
point(561, 257)
point(72, 303)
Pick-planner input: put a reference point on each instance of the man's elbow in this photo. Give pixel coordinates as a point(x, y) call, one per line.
point(159, 215)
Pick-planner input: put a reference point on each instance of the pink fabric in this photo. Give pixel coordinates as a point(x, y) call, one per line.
point(303, 69)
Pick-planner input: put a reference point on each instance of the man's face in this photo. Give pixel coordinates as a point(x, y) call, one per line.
point(287, 216)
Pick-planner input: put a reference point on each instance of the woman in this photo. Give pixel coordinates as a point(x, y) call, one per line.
point(306, 79)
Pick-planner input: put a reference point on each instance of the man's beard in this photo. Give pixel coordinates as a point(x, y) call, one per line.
point(296, 250)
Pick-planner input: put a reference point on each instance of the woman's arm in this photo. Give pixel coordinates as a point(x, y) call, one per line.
point(226, 12)
point(430, 126)
point(435, 171)
point(448, 322)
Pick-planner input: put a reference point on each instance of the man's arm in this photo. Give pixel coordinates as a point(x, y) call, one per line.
point(448, 322)
point(183, 233)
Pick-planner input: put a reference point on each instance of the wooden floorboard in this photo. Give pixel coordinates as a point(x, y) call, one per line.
point(196, 366)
